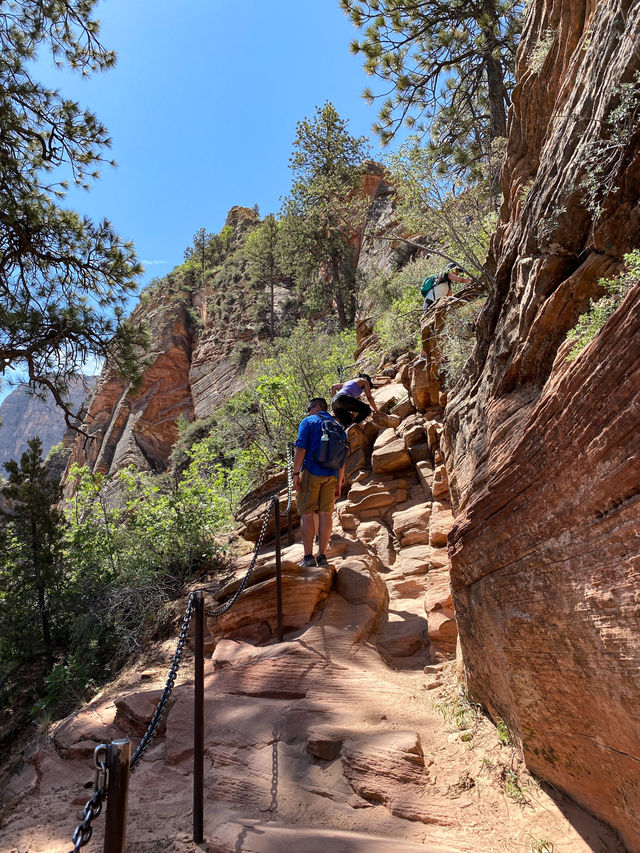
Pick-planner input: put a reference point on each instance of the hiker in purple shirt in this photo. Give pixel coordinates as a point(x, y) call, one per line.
point(346, 405)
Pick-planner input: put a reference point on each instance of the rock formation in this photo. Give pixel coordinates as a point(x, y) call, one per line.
point(542, 454)
point(196, 330)
point(24, 416)
point(332, 737)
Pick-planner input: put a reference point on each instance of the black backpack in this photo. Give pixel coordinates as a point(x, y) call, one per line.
point(333, 447)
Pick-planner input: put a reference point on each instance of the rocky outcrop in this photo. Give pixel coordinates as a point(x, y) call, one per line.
point(387, 554)
point(198, 327)
point(542, 454)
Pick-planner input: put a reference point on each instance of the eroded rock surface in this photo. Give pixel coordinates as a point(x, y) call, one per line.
point(542, 454)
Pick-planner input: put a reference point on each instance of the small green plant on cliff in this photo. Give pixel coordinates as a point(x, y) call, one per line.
point(541, 51)
point(539, 845)
point(504, 737)
point(512, 787)
point(458, 337)
point(604, 157)
point(458, 712)
point(600, 310)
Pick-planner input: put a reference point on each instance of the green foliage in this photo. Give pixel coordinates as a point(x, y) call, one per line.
point(455, 221)
point(64, 279)
point(539, 845)
point(249, 432)
point(459, 713)
point(303, 366)
point(512, 787)
point(398, 326)
point(30, 558)
point(208, 250)
point(504, 737)
point(130, 541)
point(447, 69)
point(264, 254)
point(600, 310)
point(541, 51)
point(458, 336)
point(325, 206)
point(604, 158)
point(67, 685)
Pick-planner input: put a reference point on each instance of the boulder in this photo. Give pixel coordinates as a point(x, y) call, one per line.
point(440, 523)
point(411, 525)
point(254, 615)
point(391, 457)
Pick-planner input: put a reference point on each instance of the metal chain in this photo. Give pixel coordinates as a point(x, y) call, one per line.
point(289, 477)
point(166, 693)
point(84, 831)
point(272, 808)
point(229, 604)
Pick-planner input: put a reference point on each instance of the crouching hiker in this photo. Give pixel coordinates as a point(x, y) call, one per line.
point(318, 475)
point(346, 405)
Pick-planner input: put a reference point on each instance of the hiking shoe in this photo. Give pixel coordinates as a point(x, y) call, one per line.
point(308, 561)
point(322, 560)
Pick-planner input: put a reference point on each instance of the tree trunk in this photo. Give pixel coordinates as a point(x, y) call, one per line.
point(42, 599)
point(273, 316)
point(337, 295)
point(495, 77)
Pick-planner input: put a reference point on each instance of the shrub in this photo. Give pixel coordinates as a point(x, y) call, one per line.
point(458, 337)
point(590, 323)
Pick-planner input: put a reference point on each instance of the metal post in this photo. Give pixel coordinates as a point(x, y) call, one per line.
point(276, 513)
point(118, 761)
point(198, 719)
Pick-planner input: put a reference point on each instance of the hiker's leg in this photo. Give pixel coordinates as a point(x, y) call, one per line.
point(342, 415)
point(361, 410)
point(324, 531)
point(308, 532)
point(307, 504)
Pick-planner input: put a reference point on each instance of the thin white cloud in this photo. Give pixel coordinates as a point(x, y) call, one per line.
point(149, 263)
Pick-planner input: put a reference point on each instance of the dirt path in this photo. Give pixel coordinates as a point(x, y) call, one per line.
point(312, 743)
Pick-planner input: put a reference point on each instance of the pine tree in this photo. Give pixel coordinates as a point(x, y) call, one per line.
point(450, 66)
point(263, 251)
point(30, 553)
point(325, 209)
point(64, 279)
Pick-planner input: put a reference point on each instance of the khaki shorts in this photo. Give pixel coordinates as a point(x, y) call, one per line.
point(317, 494)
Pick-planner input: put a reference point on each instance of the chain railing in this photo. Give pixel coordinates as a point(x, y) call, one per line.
point(93, 808)
point(212, 614)
point(84, 831)
point(166, 693)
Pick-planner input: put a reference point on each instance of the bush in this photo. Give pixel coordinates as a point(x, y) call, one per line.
point(590, 323)
point(458, 337)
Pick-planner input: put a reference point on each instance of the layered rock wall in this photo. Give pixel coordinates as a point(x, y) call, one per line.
point(543, 455)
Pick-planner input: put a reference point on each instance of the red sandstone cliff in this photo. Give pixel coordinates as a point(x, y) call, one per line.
point(542, 454)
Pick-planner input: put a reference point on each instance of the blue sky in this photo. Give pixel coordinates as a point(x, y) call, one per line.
point(202, 109)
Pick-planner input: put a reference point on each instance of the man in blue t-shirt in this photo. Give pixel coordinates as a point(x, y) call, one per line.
point(316, 487)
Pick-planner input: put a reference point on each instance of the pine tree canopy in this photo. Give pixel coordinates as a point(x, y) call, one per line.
point(64, 279)
point(448, 66)
point(325, 209)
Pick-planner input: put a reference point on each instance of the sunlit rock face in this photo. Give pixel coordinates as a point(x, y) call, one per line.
point(543, 454)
